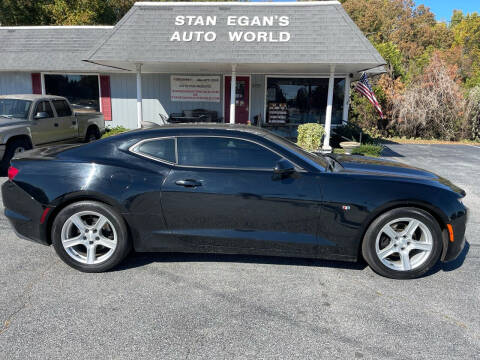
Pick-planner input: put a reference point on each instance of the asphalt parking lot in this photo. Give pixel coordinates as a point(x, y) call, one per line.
point(207, 306)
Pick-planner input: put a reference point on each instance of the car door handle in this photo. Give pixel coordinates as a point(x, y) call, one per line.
point(56, 124)
point(188, 183)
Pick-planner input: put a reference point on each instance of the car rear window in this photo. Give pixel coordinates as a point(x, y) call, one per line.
point(62, 108)
point(224, 152)
point(161, 149)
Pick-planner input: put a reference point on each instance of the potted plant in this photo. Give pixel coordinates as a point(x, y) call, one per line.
point(349, 146)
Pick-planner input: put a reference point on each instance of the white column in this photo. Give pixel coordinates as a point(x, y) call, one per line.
point(328, 115)
point(346, 99)
point(233, 93)
point(139, 96)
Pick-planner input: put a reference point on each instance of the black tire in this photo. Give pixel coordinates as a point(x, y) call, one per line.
point(12, 148)
point(369, 243)
point(92, 134)
point(123, 244)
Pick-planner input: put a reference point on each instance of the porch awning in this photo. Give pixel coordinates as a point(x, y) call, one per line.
point(300, 37)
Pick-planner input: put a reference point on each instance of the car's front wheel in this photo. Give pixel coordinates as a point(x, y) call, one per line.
point(403, 243)
point(90, 236)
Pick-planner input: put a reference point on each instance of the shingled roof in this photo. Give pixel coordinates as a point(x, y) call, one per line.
point(49, 48)
point(321, 33)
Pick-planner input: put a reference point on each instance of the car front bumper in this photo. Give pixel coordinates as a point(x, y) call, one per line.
point(459, 226)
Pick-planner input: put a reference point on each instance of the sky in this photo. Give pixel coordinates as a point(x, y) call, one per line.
point(443, 9)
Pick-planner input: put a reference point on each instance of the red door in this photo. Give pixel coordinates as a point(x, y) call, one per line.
point(241, 99)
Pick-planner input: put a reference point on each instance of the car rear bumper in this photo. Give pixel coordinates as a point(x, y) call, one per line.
point(24, 213)
point(2, 151)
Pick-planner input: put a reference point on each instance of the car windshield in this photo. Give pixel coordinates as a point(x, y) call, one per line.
point(14, 108)
point(318, 159)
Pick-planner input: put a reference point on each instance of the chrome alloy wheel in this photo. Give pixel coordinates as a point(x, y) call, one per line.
point(89, 237)
point(404, 244)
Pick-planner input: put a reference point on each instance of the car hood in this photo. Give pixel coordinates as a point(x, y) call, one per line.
point(7, 122)
point(382, 167)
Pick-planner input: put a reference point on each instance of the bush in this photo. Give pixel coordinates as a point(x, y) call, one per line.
point(433, 106)
point(114, 131)
point(310, 136)
point(471, 126)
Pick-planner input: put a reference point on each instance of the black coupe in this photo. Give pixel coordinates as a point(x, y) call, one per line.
point(231, 189)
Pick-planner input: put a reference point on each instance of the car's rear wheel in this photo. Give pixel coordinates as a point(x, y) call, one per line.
point(90, 236)
point(403, 243)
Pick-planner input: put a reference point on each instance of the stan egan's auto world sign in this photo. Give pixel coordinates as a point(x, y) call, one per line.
point(209, 22)
point(195, 88)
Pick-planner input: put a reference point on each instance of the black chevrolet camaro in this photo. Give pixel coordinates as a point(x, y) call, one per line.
point(235, 190)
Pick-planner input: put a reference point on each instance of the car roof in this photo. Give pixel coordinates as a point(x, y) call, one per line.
point(31, 97)
point(208, 127)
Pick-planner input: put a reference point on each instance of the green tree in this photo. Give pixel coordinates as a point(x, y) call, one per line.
point(393, 56)
point(23, 12)
point(466, 34)
point(64, 12)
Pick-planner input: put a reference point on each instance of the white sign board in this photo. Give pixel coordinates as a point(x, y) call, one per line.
point(195, 88)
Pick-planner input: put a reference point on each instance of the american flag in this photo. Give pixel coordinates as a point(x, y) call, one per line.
point(364, 88)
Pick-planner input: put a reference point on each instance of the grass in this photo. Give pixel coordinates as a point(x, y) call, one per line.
point(114, 131)
point(404, 140)
point(364, 149)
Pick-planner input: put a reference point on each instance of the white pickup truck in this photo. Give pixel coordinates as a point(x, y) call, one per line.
point(27, 121)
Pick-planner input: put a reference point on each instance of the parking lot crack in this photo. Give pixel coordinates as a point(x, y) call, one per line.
point(24, 298)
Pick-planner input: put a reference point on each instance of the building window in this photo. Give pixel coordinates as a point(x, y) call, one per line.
point(81, 90)
point(302, 100)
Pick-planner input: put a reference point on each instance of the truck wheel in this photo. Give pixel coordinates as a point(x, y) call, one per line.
point(92, 134)
point(14, 147)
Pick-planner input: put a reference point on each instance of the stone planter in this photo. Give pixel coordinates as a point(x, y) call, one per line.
point(348, 146)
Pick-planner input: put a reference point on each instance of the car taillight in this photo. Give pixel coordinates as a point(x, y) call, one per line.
point(12, 172)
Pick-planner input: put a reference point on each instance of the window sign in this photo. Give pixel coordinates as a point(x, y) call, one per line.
point(195, 88)
point(302, 100)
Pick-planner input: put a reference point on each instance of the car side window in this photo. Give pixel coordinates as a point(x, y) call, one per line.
point(161, 149)
point(224, 152)
point(62, 108)
point(44, 106)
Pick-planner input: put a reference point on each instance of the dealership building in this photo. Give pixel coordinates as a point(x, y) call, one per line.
point(274, 65)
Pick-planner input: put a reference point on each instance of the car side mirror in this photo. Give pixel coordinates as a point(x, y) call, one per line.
point(41, 115)
point(283, 168)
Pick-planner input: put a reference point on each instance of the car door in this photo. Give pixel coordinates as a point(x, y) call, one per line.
point(223, 196)
point(44, 129)
point(67, 123)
